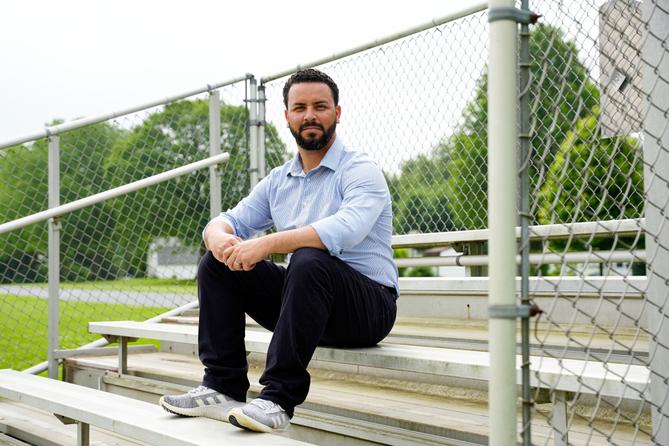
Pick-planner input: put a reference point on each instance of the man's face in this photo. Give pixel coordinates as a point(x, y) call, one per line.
point(312, 115)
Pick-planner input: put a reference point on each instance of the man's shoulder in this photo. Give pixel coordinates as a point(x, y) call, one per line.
point(351, 157)
point(356, 163)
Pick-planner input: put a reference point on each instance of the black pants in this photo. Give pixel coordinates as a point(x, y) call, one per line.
point(317, 300)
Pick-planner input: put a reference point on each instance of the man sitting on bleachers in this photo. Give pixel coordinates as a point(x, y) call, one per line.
point(331, 208)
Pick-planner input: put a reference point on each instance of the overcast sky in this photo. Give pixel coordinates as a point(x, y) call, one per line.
point(77, 58)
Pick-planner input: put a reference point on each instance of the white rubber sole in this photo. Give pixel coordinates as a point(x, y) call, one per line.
point(238, 418)
point(215, 412)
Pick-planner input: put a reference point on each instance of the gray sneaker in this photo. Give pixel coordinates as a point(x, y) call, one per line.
point(261, 416)
point(200, 402)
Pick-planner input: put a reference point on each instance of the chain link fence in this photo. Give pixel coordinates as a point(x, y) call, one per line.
point(414, 105)
point(130, 257)
point(597, 198)
point(599, 154)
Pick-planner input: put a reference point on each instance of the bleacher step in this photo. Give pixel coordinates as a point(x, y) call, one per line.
point(36, 427)
point(372, 409)
point(125, 416)
point(562, 374)
point(6, 440)
point(473, 335)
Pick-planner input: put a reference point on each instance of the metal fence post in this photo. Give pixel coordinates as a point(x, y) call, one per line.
point(502, 215)
point(253, 132)
point(54, 256)
point(214, 149)
point(262, 156)
point(525, 149)
point(655, 57)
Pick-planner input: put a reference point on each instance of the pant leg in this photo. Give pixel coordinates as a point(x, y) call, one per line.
point(225, 296)
point(324, 301)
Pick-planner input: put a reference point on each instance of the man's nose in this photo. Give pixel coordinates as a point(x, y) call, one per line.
point(310, 115)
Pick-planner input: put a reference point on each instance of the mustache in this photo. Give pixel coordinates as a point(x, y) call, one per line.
point(311, 124)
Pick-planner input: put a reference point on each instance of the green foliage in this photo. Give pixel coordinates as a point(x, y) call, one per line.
point(24, 191)
point(419, 197)
point(593, 178)
point(416, 271)
point(112, 239)
point(448, 189)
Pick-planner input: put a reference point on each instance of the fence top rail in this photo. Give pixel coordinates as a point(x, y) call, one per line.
point(458, 14)
point(83, 122)
point(604, 228)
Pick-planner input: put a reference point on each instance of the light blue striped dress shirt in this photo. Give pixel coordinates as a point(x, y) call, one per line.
point(345, 199)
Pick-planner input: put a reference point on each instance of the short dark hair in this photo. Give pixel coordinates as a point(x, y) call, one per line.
point(310, 75)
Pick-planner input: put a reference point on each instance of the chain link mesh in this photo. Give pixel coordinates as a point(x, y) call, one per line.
point(110, 249)
point(590, 163)
point(403, 103)
point(418, 106)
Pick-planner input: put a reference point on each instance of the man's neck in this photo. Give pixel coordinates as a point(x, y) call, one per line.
point(312, 158)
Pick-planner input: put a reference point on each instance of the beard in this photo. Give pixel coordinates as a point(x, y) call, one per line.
point(313, 143)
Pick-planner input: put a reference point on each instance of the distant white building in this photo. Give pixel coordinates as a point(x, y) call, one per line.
point(168, 258)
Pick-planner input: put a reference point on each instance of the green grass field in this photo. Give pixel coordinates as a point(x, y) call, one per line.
point(23, 328)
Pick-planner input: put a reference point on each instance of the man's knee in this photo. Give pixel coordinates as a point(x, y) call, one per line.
point(309, 259)
point(210, 265)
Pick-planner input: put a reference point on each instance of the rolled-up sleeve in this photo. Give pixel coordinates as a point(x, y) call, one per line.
point(365, 193)
point(252, 214)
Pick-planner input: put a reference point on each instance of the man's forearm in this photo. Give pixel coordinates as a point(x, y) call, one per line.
point(285, 242)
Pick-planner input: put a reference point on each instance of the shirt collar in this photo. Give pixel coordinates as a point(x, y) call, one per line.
point(331, 159)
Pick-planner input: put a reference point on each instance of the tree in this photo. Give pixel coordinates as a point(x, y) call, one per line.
point(456, 170)
point(179, 208)
point(593, 178)
point(112, 239)
point(24, 191)
point(419, 197)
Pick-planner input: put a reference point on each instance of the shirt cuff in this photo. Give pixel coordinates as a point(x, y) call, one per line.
point(219, 218)
point(325, 231)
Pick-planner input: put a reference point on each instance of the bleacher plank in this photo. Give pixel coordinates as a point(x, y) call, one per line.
point(386, 411)
point(570, 375)
point(125, 416)
point(6, 440)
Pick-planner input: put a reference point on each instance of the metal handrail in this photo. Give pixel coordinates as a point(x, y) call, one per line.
point(604, 228)
point(545, 258)
point(112, 193)
point(78, 123)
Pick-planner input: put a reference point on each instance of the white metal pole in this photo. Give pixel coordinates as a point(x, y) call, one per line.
point(214, 149)
point(655, 75)
point(54, 257)
point(253, 132)
point(262, 156)
point(502, 215)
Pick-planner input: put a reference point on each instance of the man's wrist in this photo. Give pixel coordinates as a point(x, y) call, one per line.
point(269, 243)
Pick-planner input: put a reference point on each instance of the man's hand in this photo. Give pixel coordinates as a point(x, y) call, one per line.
point(243, 256)
point(218, 242)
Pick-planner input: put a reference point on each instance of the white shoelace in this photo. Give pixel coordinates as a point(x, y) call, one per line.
point(266, 406)
point(197, 390)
